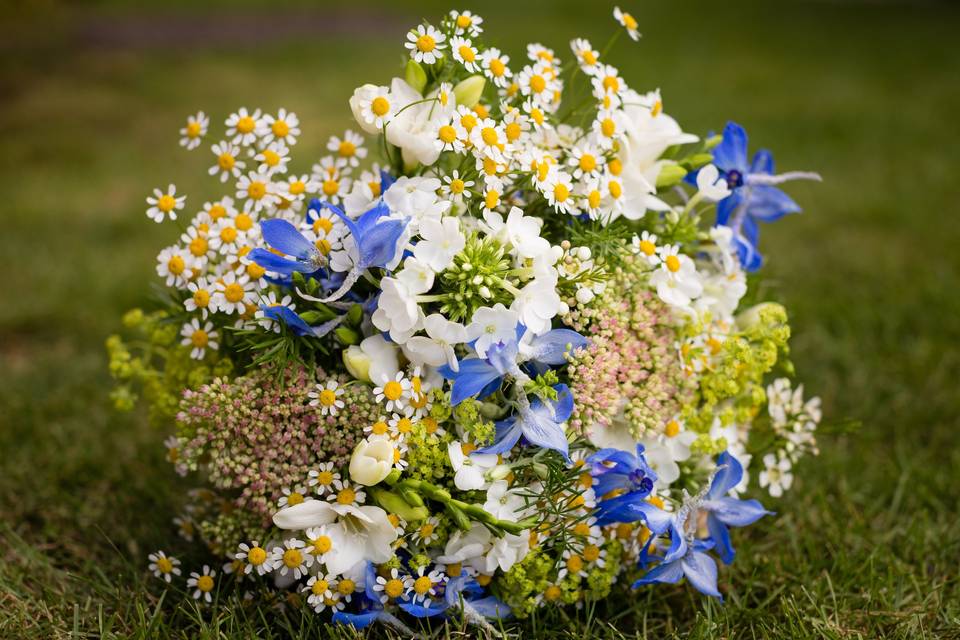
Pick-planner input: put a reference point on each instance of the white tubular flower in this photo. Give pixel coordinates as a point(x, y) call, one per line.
point(469, 468)
point(371, 462)
point(374, 359)
point(711, 185)
point(440, 242)
point(488, 326)
point(520, 232)
point(397, 310)
point(537, 304)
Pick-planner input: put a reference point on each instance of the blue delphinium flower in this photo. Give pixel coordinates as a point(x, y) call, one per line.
point(754, 197)
point(541, 423)
point(724, 511)
point(614, 469)
point(689, 560)
point(299, 326)
point(461, 593)
point(303, 255)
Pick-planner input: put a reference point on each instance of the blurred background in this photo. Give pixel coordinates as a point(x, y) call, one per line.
point(867, 93)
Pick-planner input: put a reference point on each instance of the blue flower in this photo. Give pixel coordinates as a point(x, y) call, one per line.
point(754, 197)
point(541, 424)
point(472, 595)
point(724, 511)
point(285, 238)
point(688, 560)
point(614, 469)
point(298, 325)
point(375, 237)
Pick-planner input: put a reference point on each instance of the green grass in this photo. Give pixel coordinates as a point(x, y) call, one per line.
point(866, 545)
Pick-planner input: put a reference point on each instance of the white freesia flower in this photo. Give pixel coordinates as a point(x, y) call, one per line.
point(357, 534)
point(470, 469)
point(373, 359)
point(412, 128)
point(440, 241)
point(417, 199)
point(371, 462)
point(437, 347)
point(488, 326)
point(416, 275)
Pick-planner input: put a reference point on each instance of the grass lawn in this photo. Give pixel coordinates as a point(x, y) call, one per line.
point(867, 543)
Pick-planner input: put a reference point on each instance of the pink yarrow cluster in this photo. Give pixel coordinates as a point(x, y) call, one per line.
point(257, 435)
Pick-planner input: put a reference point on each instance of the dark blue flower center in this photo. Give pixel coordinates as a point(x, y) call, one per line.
point(734, 179)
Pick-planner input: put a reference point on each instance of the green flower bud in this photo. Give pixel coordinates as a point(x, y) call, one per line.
point(393, 503)
point(347, 335)
point(468, 91)
point(670, 175)
point(415, 76)
point(357, 363)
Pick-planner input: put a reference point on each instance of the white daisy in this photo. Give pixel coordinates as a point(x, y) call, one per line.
point(200, 338)
point(255, 558)
point(273, 158)
point(291, 557)
point(323, 478)
point(176, 266)
point(628, 22)
point(256, 189)
point(202, 583)
point(465, 22)
point(234, 293)
point(291, 497)
point(285, 127)
point(320, 587)
point(495, 67)
point(243, 126)
point(425, 44)
point(164, 566)
point(194, 131)
point(165, 205)
point(228, 162)
point(394, 393)
point(349, 147)
point(327, 397)
point(465, 53)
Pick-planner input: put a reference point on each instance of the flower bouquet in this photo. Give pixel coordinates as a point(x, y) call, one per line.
point(511, 362)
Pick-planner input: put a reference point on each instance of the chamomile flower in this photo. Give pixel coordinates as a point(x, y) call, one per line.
point(350, 147)
point(228, 162)
point(676, 279)
point(537, 82)
point(606, 130)
point(374, 105)
point(489, 139)
point(273, 158)
point(327, 397)
point(628, 22)
point(541, 54)
point(284, 127)
point(334, 185)
point(243, 125)
point(346, 493)
point(324, 478)
point(219, 208)
point(320, 587)
point(176, 266)
point(456, 188)
point(193, 132)
point(234, 293)
point(465, 53)
point(607, 80)
point(559, 191)
point(294, 496)
point(392, 586)
point(495, 67)
point(255, 558)
point(573, 564)
point(197, 243)
point(291, 557)
point(450, 136)
point(225, 237)
point(164, 566)
point(401, 424)
point(296, 188)
point(586, 160)
point(379, 429)
point(200, 338)
point(595, 554)
point(400, 455)
point(394, 392)
point(423, 586)
point(427, 532)
point(319, 542)
point(425, 44)
point(256, 190)
point(164, 205)
point(593, 194)
point(465, 22)
point(646, 245)
point(586, 55)
point(202, 583)
point(537, 115)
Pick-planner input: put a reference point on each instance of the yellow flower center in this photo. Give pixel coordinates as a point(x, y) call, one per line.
point(330, 187)
point(380, 106)
point(616, 190)
point(166, 203)
point(346, 496)
point(608, 127)
point(297, 187)
point(321, 545)
point(673, 263)
point(468, 121)
point(648, 247)
point(271, 158)
point(575, 563)
point(379, 428)
point(217, 211)
point(393, 588)
point(346, 587)
point(225, 162)
point(715, 345)
point(193, 129)
point(514, 131)
point(243, 222)
point(280, 128)
point(255, 271)
point(463, 21)
point(294, 498)
point(429, 424)
point(538, 83)
point(489, 166)
point(611, 83)
point(325, 478)
point(537, 115)
point(629, 22)
point(228, 234)
point(404, 425)
point(593, 199)
point(586, 480)
point(198, 246)
point(656, 501)
point(328, 397)
point(588, 58)
point(591, 552)
point(447, 134)
point(176, 265)
point(588, 162)
point(257, 556)
point(347, 149)
point(323, 246)
point(497, 68)
point(581, 529)
point(426, 43)
point(561, 192)
point(454, 570)
point(392, 390)
point(426, 530)
point(165, 565)
point(457, 186)
point(467, 53)
point(489, 136)
point(422, 585)
point(483, 579)
point(319, 587)
point(257, 190)
point(615, 166)
point(322, 224)
point(672, 429)
point(292, 558)
point(233, 292)
point(246, 124)
point(491, 199)
point(199, 338)
point(205, 583)
point(552, 593)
